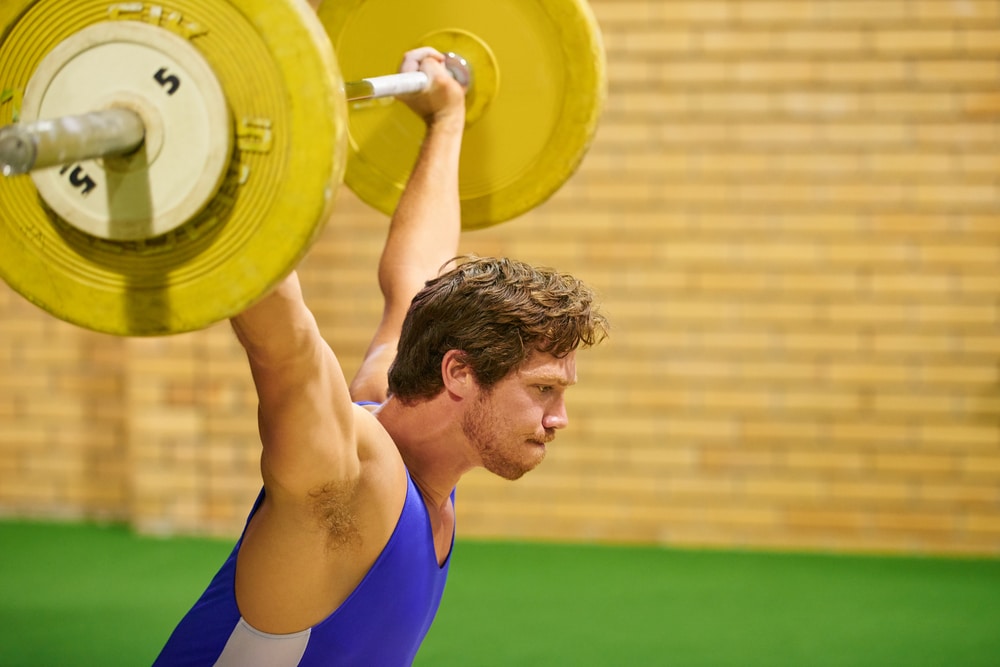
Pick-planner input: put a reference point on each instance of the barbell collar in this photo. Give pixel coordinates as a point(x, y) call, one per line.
point(54, 142)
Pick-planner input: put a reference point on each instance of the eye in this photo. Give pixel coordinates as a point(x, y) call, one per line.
point(545, 388)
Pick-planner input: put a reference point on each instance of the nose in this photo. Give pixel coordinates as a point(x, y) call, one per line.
point(556, 416)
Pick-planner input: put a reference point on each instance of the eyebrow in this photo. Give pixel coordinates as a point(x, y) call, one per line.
point(551, 379)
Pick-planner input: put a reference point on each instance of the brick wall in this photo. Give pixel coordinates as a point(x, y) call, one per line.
point(792, 213)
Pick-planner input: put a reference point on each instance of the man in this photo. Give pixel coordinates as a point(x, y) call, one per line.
point(344, 557)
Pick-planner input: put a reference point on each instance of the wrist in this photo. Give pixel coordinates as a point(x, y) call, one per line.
point(448, 121)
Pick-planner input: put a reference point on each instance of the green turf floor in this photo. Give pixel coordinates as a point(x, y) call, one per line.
point(79, 595)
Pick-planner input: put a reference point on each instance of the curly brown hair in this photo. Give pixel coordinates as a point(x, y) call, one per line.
point(496, 311)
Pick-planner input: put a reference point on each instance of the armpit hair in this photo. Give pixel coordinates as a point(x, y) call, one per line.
point(332, 505)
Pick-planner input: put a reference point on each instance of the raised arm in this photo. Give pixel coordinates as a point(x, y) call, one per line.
point(305, 413)
point(424, 230)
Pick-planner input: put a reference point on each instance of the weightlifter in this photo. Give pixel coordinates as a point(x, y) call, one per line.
point(345, 553)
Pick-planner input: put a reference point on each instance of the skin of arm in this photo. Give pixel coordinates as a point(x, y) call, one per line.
point(334, 480)
point(424, 230)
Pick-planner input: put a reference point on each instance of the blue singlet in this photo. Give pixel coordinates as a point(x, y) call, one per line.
point(381, 623)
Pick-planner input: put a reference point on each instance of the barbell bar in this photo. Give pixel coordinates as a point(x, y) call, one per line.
point(248, 131)
point(59, 141)
point(25, 147)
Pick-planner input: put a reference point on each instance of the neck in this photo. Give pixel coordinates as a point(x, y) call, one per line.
point(431, 444)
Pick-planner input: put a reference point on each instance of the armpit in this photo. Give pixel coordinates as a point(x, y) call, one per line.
point(332, 505)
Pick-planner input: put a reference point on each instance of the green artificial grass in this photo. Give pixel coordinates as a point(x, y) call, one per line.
point(79, 595)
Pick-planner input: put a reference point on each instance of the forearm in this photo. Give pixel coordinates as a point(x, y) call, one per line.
point(425, 228)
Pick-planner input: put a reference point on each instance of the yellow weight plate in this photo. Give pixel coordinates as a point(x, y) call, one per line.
point(284, 91)
point(542, 68)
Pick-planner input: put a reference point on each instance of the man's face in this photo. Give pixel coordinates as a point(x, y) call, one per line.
point(510, 424)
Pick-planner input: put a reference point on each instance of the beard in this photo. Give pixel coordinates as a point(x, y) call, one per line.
point(502, 453)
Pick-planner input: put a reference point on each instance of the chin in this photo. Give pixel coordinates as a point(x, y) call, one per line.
point(513, 470)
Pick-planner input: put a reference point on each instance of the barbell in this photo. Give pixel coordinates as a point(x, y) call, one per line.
point(182, 156)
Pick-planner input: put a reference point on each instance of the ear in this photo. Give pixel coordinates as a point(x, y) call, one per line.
point(457, 375)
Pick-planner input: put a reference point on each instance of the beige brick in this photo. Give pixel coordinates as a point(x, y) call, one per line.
point(632, 73)
point(749, 517)
point(863, 72)
point(826, 461)
point(869, 372)
point(962, 437)
point(983, 523)
point(976, 286)
point(983, 163)
point(980, 41)
point(914, 522)
point(986, 105)
point(923, 283)
point(957, 71)
point(955, 373)
point(910, 222)
point(710, 489)
point(679, 73)
point(757, 428)
point(867, 13)
point(777, 253)
point(824, 284)
point(693, 427)
point(871, 313)
point(622, 11)
point(692, 133)
point(661, 457)
point(881, 434)
point(808, 340)
point(784, 133)
point(823, 103)
point(965, 254)
point(869, 492)
point(727, 103)
point(983, 313)
point(913, 403)
point(821, 164)
point(933, 164)
point(820, 521)
point(821, 402)
point(957, 194)
point(716, 458)
point(967, 10)
point(940, 465)
point(648, 102)
point(650, 45)
point(721, 41)
point(826, 41)
point(776, 194)
point(693, 12)
point(986, 496)
point(914, 103)
point(896, 42)
point(861, 194)
point(774, 71)
point(774, 11)
point(779, 370)
point(782, 488)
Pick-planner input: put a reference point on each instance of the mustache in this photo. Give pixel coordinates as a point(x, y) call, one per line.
point(547, 437)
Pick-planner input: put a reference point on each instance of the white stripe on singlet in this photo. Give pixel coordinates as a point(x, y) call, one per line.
point(248, 647)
